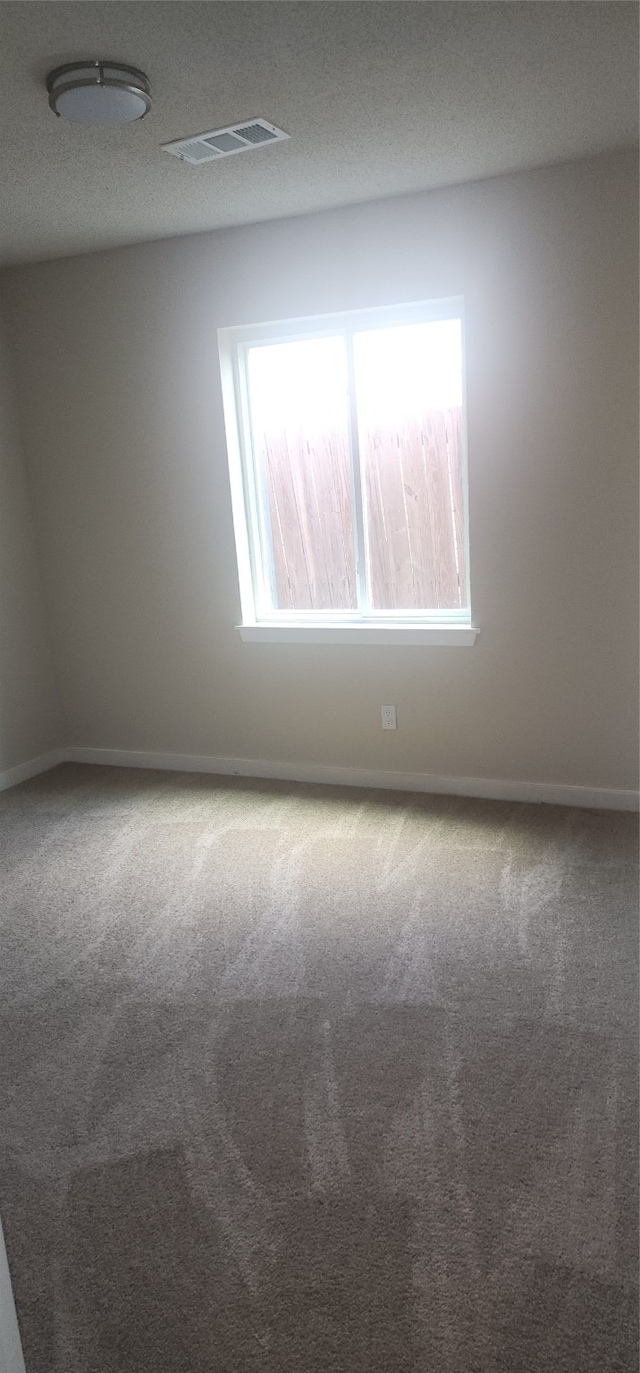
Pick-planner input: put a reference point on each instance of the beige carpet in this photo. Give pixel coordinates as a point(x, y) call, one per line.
point(303, 1080)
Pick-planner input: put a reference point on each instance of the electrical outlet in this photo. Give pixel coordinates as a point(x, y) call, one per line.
point(388, 717)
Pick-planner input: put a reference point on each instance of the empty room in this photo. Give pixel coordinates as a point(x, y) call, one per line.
point(319, 686)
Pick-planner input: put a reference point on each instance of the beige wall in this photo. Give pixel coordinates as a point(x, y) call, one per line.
point(121, 410)
point(30, 721)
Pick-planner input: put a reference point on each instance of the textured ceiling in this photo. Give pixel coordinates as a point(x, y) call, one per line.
point(379, 99)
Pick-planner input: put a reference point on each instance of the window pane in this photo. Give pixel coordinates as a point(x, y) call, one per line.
point(409, 400)
point(298, 404)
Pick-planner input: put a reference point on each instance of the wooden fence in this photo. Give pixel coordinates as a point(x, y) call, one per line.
point(412, 477)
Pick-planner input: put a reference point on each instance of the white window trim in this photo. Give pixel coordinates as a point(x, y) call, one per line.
point(260, 623)
point(303, 632)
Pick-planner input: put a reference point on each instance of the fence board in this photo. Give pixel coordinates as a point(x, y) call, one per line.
point(414, 514)
point(411, 512)
point(308, 483)
point(453, 420)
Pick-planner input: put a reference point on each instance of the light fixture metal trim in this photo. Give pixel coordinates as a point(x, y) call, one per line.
point(103, 76)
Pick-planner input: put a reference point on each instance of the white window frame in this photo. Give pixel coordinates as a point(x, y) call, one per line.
point(260, 622)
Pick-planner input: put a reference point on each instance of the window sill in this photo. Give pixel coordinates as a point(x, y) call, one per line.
point(436, 636)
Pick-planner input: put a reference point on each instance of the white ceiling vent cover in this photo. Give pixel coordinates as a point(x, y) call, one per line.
point(235, 138)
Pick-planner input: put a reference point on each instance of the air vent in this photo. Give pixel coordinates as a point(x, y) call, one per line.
point(235, 138)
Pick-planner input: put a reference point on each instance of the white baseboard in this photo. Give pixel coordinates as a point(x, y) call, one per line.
point(553, 793)
point(11, 1360)
point(23, 771)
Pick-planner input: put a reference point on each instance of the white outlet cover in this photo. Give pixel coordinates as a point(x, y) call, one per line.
point(388, 714)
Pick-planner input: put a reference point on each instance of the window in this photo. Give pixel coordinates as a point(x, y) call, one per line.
point(346, 441)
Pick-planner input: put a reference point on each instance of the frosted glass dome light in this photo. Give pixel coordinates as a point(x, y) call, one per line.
point(99, 93)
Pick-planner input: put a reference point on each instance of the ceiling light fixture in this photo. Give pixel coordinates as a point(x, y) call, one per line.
point(99, 92)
